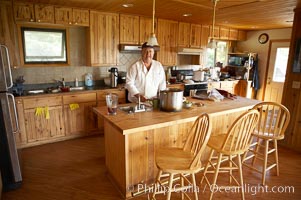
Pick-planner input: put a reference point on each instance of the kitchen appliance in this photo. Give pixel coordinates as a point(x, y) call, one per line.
point(237, 59)
point(114, 76)
point(198, 75)
point(9, 160)
point(194, 87)
point(88, 80)
point(182, 74)
point(171, 100)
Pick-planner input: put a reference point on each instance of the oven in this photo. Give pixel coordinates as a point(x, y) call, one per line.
point(192, 88)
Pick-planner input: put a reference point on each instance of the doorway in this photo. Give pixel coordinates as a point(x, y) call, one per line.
point(277, 64)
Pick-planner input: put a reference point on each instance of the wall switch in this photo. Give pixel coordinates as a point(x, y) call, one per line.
point(296, 85)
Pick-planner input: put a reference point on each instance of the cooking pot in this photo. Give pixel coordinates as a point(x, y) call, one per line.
point(171, 100)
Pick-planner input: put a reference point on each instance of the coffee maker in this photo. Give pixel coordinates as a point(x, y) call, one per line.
point(114, 76)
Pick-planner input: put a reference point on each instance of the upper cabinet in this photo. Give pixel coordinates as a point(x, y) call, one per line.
point(44, 13)
point(233, 34)
point(184, 34)
point(195, 35)
point(103, 39)
point(129, 29)
point(242, 35)
point(167, 39)
point(223, 33)
point(145, 28)
point(204, 36)
point(8, 33)
point(69, 16)
point(216, 32)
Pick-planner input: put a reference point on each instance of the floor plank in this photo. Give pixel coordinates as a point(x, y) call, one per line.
point(75, 170)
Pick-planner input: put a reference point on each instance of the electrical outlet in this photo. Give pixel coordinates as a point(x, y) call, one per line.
point(296, 85)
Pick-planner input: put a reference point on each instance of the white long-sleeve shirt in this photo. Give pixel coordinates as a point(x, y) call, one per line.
point(146, 83)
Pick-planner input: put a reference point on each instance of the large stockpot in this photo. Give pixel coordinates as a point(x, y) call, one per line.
point(171, 100)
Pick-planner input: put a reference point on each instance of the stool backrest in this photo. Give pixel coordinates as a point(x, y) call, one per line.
point(273, 121)
point(198, 137)
point(238, 137)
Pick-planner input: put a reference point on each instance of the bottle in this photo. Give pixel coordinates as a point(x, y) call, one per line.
point(76, 82)
point(88, 80)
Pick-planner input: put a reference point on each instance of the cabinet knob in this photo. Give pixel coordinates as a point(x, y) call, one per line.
point(31, 20)
point(39, 20)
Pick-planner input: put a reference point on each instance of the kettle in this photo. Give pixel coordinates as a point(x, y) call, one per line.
point(114, 76)
point(88, 80)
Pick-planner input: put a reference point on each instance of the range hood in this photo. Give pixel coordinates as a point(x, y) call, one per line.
point(190, 51)
point(133, 48)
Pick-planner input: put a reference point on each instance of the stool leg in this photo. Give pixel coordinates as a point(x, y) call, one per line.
point(207, 165)
point(170, 186)
point(194, 186)
point(256, 149)
point(265, 160)
point(230, 170)
point(241, 177)
point(276, 156)
point(157, 183)
point(216, 174)
point(182, 185)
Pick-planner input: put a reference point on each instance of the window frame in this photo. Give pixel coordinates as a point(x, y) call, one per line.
point(21, 27)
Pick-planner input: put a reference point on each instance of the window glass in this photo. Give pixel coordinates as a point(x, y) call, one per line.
point(44, 45)
point(280, 64)
point(217, 55)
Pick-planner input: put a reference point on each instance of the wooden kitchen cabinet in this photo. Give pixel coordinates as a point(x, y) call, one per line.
point(145, 28)
point(224, 33)
point(20, 137)
point(103, 39)
point(216, 32)
point(195, 35)
point(242, 35)
point(184, 34)
point(80, 120)
point(233, 34)
point(44, 13)
point(71, 16)
point(8, 32)
point(129, 29)
point(204, 36)
point(38, 127)
point(167, 39)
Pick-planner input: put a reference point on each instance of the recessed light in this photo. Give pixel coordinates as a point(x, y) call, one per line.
point(128, 5)
point(187, 15)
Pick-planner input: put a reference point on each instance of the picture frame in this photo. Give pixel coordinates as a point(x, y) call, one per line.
point(297, 57)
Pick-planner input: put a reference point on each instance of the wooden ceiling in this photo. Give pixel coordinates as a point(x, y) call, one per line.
point(240, 14)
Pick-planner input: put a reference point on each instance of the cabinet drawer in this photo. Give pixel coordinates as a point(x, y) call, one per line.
point(40, 102)
point(101, 95)
point(79, 98)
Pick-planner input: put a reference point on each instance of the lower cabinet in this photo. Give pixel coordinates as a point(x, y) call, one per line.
point(79, 116)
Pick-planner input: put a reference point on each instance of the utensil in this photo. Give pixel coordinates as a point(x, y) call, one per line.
point(171, 100)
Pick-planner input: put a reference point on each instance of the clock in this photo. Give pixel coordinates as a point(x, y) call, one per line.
point(263, 38)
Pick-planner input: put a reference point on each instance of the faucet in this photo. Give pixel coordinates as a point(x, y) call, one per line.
point(61, 82)
point(140, 107)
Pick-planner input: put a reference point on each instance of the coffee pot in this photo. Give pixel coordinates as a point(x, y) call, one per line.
point(114, 76)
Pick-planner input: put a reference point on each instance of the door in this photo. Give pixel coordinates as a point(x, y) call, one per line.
point(277, 65)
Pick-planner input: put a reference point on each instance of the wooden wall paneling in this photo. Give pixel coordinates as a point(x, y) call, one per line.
point(291, 96)
point(195, 35)
point(129, 29)
point(184, 34)
point(8, 32)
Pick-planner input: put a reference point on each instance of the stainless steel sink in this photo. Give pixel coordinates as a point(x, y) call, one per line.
point(134, 108)
point(77, 88)
point(35, 91)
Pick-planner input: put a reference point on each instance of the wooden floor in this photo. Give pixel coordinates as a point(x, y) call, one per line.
point(75, 170)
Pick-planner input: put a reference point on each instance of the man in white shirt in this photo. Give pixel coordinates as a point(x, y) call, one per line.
point(145, 77)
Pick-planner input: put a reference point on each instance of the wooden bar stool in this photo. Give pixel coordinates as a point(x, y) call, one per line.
point(273, 121)
point(228, 146)
point(182, 162)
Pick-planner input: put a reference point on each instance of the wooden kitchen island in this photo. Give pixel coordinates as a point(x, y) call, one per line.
point(132, 139)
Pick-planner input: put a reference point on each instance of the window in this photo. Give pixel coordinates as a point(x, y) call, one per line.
point(44, 45)
point(217, 55)
point(280, 64)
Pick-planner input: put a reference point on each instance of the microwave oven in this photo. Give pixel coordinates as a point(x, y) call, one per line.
point(236, 59)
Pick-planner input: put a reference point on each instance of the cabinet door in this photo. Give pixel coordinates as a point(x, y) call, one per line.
point(233, 34)
point(63, 15)
point(224, 33)
point(8, 34)
point(104, 39)
point(38, 128)
point(80, 17)
point(216, 31)
point(44, 13)
point(129, 29)
point(20, 137)
point(167, 55)
point(145, 28)
point(196, 33)
point(24, 12)
point(242, 35)
point(204, 36)
point(184, 34)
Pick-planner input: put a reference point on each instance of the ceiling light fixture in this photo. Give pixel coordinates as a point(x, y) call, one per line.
point(152, 40)
point(212, 43)
point(187, 15)
point(128, 5)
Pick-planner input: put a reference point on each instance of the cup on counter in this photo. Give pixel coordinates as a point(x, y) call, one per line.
point(112, 102)
point(155, 102)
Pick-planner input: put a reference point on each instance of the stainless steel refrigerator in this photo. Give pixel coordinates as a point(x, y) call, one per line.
point(9, 160)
